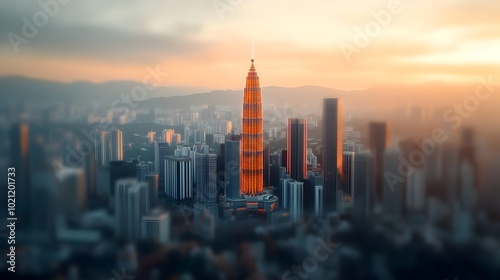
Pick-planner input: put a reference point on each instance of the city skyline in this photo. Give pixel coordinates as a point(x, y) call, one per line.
point(367, 148)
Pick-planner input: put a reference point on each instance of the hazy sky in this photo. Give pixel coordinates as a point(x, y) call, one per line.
point(296, 42)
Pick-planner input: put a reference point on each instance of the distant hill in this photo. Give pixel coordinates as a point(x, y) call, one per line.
point(15, 90)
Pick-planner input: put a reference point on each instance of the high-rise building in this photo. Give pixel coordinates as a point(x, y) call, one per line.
point(332, 151)
point(46, 207)
point(296, 146)
point(142, 171)
point(169, 135)
point(90, 168)
point(252, 141)
point(415, 194)
point(156, 226)
point(198, 136)
point(312, 160)
point(394, 185)
point(224, 127)
point(151, 137)
point(363, 185)
point(152, 180)
point(318, 200)
point(161, 152)
point(116, 144)
point(178, 177)
point(467, 161)
point(101, 148)
point(19, 151)
point(293, 198)
point(178, 138)
point(206, 183)
point(187, 135)
point(348, 176)
point(378, 142)
point(209, 139)
point(137, 206)
point(72, 190)
point(121, 169)
point(275, 159)
point(130, 205)
point(103, 182)
point(232, 167)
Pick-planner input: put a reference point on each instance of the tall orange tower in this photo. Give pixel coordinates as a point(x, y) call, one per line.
point(252, 141)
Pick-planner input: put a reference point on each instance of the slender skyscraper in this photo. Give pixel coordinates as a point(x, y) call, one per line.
point(379, 132)
point(161, 152)
point(296, 146)
point(252, 146)
point(363, 184)
point(19, 146)
point(349, 173)
point(332, 151)
point(206, 183)
point(116, 145)
point(101, 148)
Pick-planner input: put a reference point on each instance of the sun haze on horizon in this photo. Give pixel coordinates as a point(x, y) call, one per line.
point(336, 45)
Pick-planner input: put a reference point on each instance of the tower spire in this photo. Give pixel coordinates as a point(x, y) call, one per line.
point(252, 50)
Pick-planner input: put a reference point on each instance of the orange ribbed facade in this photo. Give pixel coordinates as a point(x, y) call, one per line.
point(252, 141)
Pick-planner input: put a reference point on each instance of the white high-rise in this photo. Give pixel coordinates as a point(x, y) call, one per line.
point(178, 175)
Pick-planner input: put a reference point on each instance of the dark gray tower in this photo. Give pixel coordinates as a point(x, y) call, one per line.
point(332, 151)
point(297, 148)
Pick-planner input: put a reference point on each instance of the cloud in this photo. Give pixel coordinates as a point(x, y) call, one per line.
point(297, 42)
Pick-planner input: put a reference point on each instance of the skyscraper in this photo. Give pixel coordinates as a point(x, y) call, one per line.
point(206, 183)
point(178, 177)
point(378, 142)
point(394, 184)
point(169, 134)
point(252, 141)
point(349, 173)
point(332, 151)
point(101, 148)
point(293, 198)
point(116, 145)
point(151, 137)
point(232, 167)
point(121, 169)
point(161, 151)
point(142, 169)
point(137, 206)
point(296, 146)
point(318, 200)
point(19, 151)
point(152, 180)
point(130, 205)
point(365, 178)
